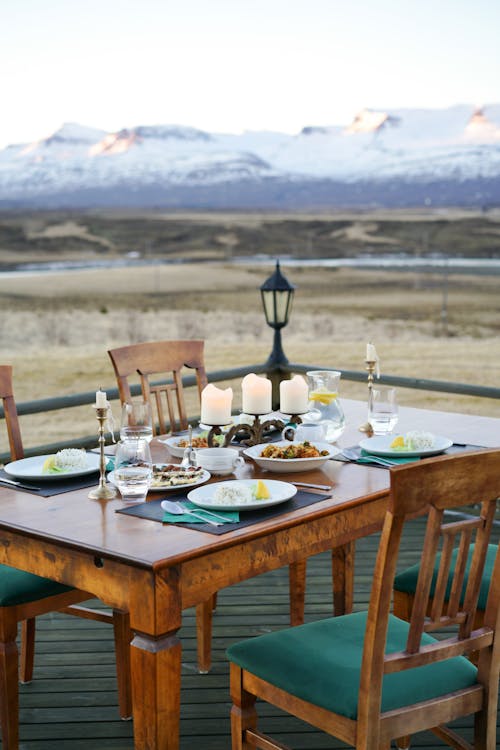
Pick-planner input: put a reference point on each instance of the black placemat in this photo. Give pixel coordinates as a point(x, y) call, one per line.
point(49, 488)
point(154, 512)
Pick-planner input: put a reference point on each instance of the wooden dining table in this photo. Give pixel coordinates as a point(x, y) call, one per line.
point(154, 571)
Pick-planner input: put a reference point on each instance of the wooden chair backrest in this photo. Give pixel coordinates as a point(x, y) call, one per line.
point(11, 418)
point(160, 358)
point(433, 486)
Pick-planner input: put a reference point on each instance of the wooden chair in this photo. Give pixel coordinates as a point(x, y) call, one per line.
point(160, 358)
point(24, 596)
point(167, 358)
point(367, 678)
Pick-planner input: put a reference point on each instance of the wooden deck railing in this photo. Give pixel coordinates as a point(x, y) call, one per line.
point(277, 373)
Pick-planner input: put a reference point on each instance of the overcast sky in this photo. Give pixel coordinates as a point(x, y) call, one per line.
point(234, 65)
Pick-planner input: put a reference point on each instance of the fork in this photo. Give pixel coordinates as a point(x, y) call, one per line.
point(353, 455)
point(177, 510)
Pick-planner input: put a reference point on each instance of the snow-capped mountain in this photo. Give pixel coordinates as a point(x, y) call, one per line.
point(396, 157)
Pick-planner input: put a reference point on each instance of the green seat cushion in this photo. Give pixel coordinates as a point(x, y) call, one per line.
point(19, 587)
point(320, 662)
point(407, 580)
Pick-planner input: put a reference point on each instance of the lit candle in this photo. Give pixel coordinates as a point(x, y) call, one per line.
point(256, 394)
point(372, 356)
point(101, 401)
point(216, 405)
point(293, 395)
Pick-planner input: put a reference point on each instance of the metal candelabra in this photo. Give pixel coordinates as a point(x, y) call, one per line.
point(251, 434)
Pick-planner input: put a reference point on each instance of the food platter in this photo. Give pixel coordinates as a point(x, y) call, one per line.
point(173, 479)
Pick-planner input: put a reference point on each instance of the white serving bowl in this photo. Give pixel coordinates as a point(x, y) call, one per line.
point(284, 465)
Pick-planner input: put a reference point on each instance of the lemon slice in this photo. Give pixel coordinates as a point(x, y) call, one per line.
point(48, 464)
point(323, 397)
point(398, 442)
point(261, 491)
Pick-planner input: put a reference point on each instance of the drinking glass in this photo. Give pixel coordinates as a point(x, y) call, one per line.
point(383, 410)
point(136, 421)
point(133, 469)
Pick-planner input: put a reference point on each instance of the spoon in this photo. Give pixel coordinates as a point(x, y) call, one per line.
point(178, 510)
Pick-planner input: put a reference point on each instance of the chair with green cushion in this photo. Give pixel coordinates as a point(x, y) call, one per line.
point(405, 584)
point(24, 596)
point(370, 677)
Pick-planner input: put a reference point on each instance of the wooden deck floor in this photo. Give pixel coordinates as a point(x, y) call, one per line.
point(72, 702)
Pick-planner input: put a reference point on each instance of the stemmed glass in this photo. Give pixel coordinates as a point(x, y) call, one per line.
point(136, 421)
point(133, 469)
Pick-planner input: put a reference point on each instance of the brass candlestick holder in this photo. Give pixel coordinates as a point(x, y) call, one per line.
point(370, 367)
point(104, 491)
point(252, 434)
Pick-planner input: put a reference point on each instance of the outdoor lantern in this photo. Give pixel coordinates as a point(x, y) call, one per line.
point(277, 296)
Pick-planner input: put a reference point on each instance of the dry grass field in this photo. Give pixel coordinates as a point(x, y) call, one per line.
point(56, 328)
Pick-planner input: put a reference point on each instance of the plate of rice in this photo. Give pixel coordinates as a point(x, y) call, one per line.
point(66, 463)
point(412, 443)
point(242, 494)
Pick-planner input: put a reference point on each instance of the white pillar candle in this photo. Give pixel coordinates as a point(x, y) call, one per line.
point(372, 356)
point(216, 405)
point(256, 394)
point(101, 401)
point(293, 395)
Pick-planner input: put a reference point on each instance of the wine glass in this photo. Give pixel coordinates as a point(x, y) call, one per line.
point(133, 470)
point(383, 410)
point(136, 421)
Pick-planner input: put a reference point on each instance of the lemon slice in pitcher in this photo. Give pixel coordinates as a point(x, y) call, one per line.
point(323, 397)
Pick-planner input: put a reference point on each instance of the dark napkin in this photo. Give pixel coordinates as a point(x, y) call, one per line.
point(364, 456)
point(154, 512)
point(52, 487)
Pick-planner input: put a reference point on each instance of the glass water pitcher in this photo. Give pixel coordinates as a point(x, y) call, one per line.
point(324, 403)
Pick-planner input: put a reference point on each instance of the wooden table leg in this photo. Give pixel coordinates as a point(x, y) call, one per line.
point(297, 586)
point(155, 617)
point(343, 578)
point(204, 616)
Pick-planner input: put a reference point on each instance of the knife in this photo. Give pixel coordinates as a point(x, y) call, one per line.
point(19, 484)
point(313, 486)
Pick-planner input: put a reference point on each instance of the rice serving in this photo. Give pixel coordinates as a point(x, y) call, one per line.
point(232, 495)
point(70, 459)
point(416, 440)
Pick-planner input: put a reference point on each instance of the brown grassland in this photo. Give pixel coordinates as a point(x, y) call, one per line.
point(56, 328)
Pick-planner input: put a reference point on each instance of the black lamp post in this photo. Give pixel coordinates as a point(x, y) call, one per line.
point(277, 296)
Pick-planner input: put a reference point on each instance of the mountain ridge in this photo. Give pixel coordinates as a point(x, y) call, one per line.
point(397, 157)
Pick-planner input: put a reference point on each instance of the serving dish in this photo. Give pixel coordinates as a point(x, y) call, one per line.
point(284, 465)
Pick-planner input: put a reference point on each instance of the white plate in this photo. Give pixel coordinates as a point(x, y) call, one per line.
point(173, 446)
point(280, 492)
point(285, 465)
point(205, 476)
point(31, 468)
point(379, 445)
